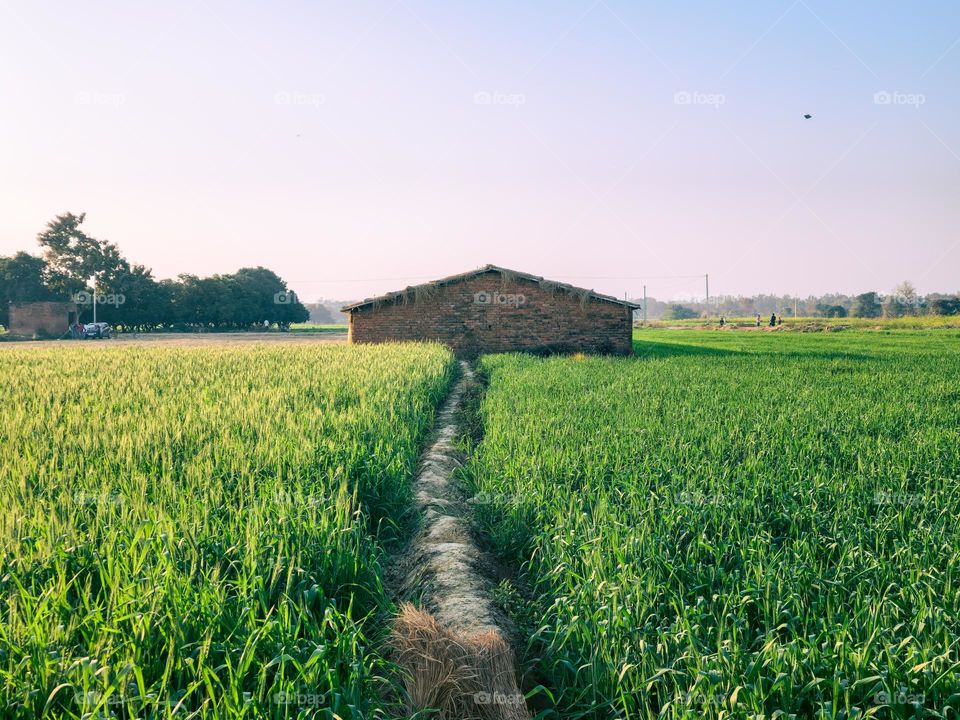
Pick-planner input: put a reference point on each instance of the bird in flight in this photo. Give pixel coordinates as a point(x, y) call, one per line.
point(807, 117)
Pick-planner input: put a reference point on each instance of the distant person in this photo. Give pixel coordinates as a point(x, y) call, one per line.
point(721, 321)
point(758, 319)
point(779, 319)
point(773, 320)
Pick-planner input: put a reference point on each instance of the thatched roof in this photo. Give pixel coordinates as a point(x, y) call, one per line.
point(398, 295)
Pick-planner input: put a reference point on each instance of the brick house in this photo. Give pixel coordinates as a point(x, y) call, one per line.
point(493, 309)
point(41, 319)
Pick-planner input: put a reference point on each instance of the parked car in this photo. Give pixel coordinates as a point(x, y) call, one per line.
point(97, 330)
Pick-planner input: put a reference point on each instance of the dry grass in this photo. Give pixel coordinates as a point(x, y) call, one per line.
point(461, 678)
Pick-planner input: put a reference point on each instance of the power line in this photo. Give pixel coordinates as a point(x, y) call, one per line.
point(558, 277)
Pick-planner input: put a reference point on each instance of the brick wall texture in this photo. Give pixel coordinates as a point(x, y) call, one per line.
point(50, 319)
point(491, 312)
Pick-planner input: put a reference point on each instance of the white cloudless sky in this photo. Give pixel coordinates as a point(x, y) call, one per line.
point(358, 147)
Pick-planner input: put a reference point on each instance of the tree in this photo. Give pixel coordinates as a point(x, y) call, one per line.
point(679, 312)
point(902, 301)
point(73, 257)
point(867, 305)
point(135, 300)
point(202, 301)
point(251, 296)
point(831, 311)
point(320, 314)
point(22, 280)
point(944, 305)
point(263, 296)
point(130, 297)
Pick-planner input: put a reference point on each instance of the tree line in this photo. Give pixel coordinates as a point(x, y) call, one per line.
point(84, 270)
point(902, 301)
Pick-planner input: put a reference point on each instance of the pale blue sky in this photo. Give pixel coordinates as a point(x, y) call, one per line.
point(357, 147)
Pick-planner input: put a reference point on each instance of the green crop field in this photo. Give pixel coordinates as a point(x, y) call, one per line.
point(197, 532)
point(732, 524)
point(816, 324)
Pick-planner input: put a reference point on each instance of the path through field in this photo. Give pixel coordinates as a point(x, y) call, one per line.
point(454, 648)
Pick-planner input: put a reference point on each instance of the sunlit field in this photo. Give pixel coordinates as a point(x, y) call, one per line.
point(732, 524)
point(198, 532)
point(312, 328)
point(814, 324)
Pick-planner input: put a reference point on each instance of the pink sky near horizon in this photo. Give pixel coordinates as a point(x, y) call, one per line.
point(357, 148)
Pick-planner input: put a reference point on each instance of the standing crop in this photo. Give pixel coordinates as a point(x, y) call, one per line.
point(196, 532)
point(734, 527)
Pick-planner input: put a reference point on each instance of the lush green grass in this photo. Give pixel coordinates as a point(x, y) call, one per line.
point(734, 524)
point(813, 324)
point(310, 328)
point(197, 530)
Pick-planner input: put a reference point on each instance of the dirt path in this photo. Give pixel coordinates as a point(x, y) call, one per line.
point(454, 644)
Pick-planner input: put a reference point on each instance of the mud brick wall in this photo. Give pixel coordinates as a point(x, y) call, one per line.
point(494, 313)
point(51, 319)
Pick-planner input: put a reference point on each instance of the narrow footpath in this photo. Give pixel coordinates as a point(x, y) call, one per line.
point(450, 637)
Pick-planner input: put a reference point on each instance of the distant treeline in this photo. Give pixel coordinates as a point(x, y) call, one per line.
point(900, 302)
point(128, 295)
point(326, 312)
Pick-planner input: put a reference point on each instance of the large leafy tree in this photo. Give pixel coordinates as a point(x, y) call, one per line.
point(248, 297)
point(135, 300)
point(73, 257)
point(263, 296)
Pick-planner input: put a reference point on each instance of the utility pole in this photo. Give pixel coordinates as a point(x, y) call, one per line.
point(707, 280)
point(93, 282)
point(644, 304)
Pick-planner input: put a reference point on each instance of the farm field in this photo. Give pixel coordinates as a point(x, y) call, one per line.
point(182, 339)
point(197, 532)
point(815, 324)
point(732, 524)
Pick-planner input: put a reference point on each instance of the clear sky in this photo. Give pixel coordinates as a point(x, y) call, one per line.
point(357, 147)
